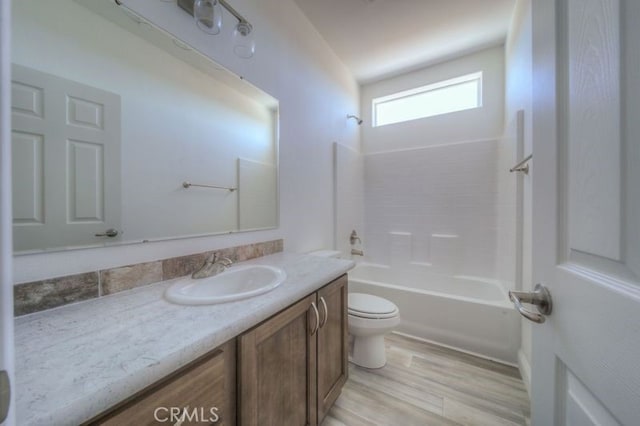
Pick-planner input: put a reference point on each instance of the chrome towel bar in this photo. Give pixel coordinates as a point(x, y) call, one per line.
point(189, 184)
point(521, 166)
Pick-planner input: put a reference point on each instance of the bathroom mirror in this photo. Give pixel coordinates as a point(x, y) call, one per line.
point(124, 134)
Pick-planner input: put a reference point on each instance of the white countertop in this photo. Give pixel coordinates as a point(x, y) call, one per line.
point(76, 361)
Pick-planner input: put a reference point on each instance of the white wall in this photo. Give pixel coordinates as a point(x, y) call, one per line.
point(518, 62)
point(430, 184)
point(474, 124)
point(315, 90)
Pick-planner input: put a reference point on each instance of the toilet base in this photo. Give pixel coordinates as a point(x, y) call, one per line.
point(369, 351)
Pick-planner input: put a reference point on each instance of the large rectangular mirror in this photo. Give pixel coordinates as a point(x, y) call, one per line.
point(122, 133)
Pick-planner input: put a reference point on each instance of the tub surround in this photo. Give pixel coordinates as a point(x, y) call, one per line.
point(40, 295)
point(76, 361)
point(433, 205)
point(470, 314)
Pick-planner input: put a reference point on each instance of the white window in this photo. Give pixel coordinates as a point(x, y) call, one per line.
point(456, 94)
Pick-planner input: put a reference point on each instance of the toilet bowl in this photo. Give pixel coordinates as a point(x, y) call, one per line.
point(370, 318)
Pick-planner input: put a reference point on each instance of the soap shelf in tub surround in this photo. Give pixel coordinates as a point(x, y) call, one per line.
point(51, 293)
point(75, 362)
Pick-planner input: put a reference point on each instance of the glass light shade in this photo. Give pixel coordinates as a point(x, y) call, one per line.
point(244, 44)
point(208, 15)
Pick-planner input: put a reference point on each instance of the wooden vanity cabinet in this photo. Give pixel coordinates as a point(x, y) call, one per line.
point(205, 384)
point(293, 365)
point(291, 369)
point(333, 346)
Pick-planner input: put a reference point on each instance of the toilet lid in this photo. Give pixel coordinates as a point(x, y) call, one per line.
point(370, 306)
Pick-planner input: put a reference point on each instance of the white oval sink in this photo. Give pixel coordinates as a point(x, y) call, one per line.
point(236, 283)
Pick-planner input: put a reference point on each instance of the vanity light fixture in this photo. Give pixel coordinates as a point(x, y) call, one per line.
point(208, 17)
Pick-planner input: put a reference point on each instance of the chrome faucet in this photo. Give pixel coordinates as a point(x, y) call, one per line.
point(212, 266)
point(354, 237)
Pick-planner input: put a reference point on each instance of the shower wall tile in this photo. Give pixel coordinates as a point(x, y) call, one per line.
point(449, 189)
point(444, 253)
point(400, 248)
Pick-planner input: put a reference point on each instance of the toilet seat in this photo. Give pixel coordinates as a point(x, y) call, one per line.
point(370, 306)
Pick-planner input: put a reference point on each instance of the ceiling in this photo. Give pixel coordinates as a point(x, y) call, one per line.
point(380, 38)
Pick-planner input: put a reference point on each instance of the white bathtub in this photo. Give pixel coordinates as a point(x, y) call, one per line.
point(468, 313)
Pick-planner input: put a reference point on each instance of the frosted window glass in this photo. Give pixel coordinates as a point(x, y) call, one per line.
point(441, 98)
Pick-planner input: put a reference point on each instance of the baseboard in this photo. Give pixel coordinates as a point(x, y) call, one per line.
point(433, 342)
point(525, 370)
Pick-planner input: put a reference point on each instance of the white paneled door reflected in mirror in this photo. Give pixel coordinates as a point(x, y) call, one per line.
point(111, 115)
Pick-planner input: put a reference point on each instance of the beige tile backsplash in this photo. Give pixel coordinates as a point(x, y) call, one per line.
point(50, 293)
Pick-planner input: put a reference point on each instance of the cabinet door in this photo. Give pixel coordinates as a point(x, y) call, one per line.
point(201, 393)
point(277, 362)
point(332, 344)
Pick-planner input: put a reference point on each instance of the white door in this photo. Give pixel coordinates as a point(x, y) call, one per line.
point(586, 211)
point(66, 161)
point(7, 414)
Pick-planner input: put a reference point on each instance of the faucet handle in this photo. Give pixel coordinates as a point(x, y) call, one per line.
point(225, 261)
point(354, 237)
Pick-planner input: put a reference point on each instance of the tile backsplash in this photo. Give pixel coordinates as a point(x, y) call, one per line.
point(53, 292)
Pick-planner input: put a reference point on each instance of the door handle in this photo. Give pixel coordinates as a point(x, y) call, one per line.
point(325, 312)
point(540, 297)
point(5, 395)
point(108, 233)
point(317, 315)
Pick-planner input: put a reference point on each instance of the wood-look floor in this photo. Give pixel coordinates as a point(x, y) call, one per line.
point(425, 384)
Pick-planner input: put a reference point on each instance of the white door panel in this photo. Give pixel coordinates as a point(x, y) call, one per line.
point(6, 259)
point(66, 179)
point(28, 199)
point(586, 241)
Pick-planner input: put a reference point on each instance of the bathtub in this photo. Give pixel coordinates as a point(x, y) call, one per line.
point(467, 313)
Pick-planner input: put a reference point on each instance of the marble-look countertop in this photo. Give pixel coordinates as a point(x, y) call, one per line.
point(76, 361)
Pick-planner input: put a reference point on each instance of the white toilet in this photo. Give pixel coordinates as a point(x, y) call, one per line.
point(370, 318)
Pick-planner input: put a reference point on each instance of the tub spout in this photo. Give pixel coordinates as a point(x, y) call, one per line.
point(356, 252)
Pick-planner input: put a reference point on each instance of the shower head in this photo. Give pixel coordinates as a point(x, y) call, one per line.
point(358, 119)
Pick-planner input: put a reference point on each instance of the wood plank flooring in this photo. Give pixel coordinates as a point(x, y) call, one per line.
point(425, 384)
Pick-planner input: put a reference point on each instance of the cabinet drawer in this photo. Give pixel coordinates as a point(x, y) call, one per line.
point(204, 388)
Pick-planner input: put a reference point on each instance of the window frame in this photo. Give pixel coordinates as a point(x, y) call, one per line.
point(456, 81)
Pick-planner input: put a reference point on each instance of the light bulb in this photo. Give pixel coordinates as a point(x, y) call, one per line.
point(244, 45)
point(208, 15)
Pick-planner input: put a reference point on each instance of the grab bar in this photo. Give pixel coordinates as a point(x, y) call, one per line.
point(189, 184)
point(520, 168)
